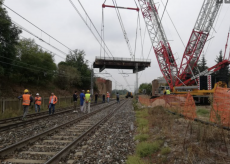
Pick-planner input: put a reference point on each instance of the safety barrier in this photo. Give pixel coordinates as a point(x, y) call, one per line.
point(220, 113)
point(181, 104)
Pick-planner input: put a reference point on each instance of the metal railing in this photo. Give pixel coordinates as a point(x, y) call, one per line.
point(123, 59)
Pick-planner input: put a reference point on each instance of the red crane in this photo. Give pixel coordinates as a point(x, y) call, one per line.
point(184, 75)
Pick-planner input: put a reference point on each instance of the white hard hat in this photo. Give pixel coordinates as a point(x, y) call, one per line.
point(37, 94)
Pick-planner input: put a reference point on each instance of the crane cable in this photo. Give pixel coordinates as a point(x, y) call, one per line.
point(123, 29)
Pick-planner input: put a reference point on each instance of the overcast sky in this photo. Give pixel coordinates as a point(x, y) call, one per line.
point(59, 19)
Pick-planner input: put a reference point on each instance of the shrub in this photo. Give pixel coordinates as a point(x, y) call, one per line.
point(142, 137)
point(202, 112)
point(165, 151)
point(141, 122)
point(134, 160)
point(145, 149)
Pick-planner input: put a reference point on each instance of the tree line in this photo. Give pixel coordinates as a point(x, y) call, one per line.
point(22, 61)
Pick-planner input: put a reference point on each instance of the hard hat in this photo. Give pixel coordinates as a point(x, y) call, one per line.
point(26, 91)
point(88, 91)
point(37, 94)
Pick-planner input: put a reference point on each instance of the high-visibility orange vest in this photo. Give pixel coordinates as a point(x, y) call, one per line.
point(107, 95)
point(26, 99)
point(54, 99)
point(38, 100)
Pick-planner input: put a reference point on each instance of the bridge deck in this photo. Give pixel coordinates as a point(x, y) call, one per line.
point(121, 63)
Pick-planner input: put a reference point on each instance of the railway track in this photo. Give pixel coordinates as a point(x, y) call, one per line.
point(16, 122)
point(54, 144)
point(28, 129)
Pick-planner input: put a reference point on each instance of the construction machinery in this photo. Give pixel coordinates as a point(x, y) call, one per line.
point(129, 94)
point(182, 79)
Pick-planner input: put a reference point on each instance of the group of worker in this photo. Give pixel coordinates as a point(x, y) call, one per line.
point(85, 100)
point(27, 99)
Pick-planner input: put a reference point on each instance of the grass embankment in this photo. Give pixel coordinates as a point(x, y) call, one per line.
point(165, 138)
point(147, 146)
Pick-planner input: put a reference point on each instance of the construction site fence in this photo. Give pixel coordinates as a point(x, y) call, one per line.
point(183, 104)
point(220, 112)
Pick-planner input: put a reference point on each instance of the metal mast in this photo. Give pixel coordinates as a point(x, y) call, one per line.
point(159, 41)
point(198, 38)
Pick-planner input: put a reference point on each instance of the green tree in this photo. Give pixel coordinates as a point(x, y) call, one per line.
point(33, 65)
point(223, 73)
point(77, 59)
point(68, 76)
point(9, 37)
point(202, 64)
point(147, 87)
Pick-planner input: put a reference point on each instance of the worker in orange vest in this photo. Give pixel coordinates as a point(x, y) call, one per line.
point(38, 102)
point(52, 102)
point(26, 100)
point(108, 96)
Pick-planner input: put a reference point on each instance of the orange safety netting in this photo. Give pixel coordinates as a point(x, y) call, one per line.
point(220, 112)
point(180, 104)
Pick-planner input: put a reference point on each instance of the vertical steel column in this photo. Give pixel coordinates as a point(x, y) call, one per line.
point(91, 92)
point(136, 88)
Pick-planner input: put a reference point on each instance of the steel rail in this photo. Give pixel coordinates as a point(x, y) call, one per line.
point(3, 121)
point(64, 152)
point(8, 150)
point(30, 121)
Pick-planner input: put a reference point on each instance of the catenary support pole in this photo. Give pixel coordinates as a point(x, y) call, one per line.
point(136, 88)
point(92, 81)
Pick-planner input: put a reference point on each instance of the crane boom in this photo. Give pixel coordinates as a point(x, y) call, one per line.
point(198, 39)
point(159, 41)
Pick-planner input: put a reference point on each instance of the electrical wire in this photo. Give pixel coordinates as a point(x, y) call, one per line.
point(45, 48)
point(88, 25)
point(36, 26)
point(105, 46)
point(24, 29)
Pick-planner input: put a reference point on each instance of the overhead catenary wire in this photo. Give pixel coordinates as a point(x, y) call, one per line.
point(47, 50)
point(105, 45)
point(88, 24)
point(24, 29)
point(33, 69)
point(37, 27)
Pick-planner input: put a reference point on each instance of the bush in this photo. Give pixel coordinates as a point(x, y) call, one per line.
point(142, 137)
point(141, 122)
point(202, 112)
point(142, 113)
point(145, 149)
point(165, 151)
point(134, 160)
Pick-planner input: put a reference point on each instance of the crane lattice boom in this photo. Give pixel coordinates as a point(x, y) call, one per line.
point(198, 38)
point(159, 41)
